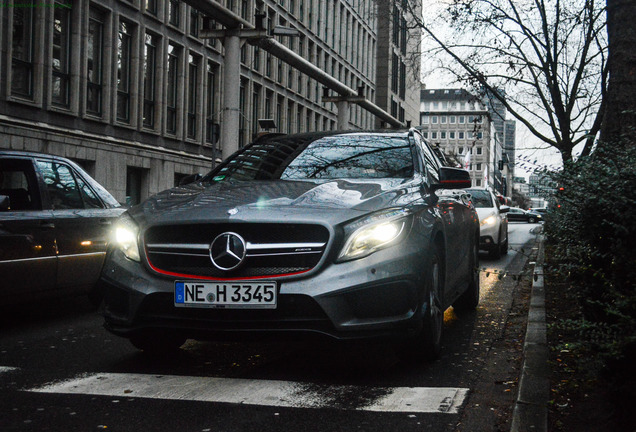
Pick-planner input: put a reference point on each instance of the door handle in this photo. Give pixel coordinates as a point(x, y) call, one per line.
point(47, 225)
point(105, 222)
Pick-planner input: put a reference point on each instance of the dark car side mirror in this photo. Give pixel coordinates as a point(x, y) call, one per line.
point(504, 209)
point(190, 179)
point(5, 202)
point(453, 178)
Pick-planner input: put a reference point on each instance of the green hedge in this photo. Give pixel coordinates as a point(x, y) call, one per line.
point(591, 233)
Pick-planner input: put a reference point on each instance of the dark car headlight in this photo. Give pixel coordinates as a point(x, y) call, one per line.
point(374, 232)
point(126, 235)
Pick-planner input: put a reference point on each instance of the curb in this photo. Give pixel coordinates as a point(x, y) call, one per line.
point(531, 407)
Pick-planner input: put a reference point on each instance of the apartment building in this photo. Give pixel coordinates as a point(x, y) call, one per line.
point(462, 126)
point(132, 91)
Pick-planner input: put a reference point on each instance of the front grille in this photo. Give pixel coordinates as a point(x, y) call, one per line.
point(271, 249)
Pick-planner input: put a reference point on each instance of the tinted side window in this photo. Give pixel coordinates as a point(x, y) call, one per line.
point(17, 181)
point(88, 195)
point(61, 185)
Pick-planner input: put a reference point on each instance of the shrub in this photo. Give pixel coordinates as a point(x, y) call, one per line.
point(592, 238)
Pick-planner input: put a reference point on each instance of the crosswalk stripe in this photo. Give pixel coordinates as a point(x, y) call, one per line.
point(264, 392)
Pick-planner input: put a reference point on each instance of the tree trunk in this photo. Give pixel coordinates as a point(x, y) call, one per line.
point(620, 114)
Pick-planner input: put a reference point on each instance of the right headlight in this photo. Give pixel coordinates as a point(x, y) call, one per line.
point(126, 234)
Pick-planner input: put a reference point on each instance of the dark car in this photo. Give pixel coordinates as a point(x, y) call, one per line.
point(333, 234)
point(516, 214)
point(55, 221)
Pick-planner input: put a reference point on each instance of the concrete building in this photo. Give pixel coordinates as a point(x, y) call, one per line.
point(397, 80)
point(461, 125)
point(132, 91)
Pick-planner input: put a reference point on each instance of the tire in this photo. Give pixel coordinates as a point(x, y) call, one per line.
point(157, 342)
point(469, 300)
point(532, 220)
point(495, 251)
point(504, 247)
point(427, 344)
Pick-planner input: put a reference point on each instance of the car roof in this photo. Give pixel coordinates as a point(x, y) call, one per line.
point(312, 136)
point(25, 153)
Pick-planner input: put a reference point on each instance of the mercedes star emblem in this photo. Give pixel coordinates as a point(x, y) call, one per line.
point(227, 251)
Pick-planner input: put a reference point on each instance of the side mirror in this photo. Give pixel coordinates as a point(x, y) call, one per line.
point(5, 202)
point(190, 179)
point(453, 178)
point(504, 209)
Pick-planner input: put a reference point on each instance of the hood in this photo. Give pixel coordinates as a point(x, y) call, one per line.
point(329, 201)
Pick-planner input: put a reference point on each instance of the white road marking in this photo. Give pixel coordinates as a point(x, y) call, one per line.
point(264, 392)
point(7, 369)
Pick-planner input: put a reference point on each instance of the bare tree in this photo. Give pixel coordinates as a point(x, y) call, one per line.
point(544, 60)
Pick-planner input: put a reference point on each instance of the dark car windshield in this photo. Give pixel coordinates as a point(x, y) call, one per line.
point(481, 198)
point(331, 157)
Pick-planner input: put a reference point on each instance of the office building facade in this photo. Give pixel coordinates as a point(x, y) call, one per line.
point(132, 91)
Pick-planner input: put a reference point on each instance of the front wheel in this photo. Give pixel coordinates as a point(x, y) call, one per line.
point(427, 344)
point(532, 220)
point(469, 300)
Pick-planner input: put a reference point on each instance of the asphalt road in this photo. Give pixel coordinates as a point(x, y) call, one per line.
point(61, 371)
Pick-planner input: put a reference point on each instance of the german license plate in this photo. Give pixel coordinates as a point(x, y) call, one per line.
point(249, 295)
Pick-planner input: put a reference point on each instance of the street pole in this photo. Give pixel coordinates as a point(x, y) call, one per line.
point(343, 115)
point(231, 85)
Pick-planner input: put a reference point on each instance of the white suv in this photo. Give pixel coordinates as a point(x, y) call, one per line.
point(493, 223)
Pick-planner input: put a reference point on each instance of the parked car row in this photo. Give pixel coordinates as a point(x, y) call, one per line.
point(348, 235)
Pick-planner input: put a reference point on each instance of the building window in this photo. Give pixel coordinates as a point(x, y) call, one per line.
point(150, 75)
point(442, 119)
point(22, 51)
point(478, 182)
point(193, 81)
point(434, 119)
point(171, 85)
point(210, 128)
point(425, 119)
point(433, 135)
point(194, 22)
point(61, 75)
point(442, 135)
point(452, 119)
point(124, 44)
point(462, 119)
point(173, 12)
point(451, 135)
point(151, 7)
point(479, 150)
point(460, 135)
point(95, 55)
point(135, 179)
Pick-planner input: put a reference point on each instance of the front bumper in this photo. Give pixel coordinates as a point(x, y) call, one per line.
point(380, 296)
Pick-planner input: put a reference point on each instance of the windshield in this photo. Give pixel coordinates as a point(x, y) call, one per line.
point(480, 198)
point(333, 157)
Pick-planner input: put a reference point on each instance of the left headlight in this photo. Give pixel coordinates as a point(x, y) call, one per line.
point(126, 234)
point(374, 232)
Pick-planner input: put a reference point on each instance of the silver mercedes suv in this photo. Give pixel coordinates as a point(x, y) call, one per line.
point(338, 234)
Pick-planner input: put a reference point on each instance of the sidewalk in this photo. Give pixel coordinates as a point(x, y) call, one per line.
point(531, 411)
